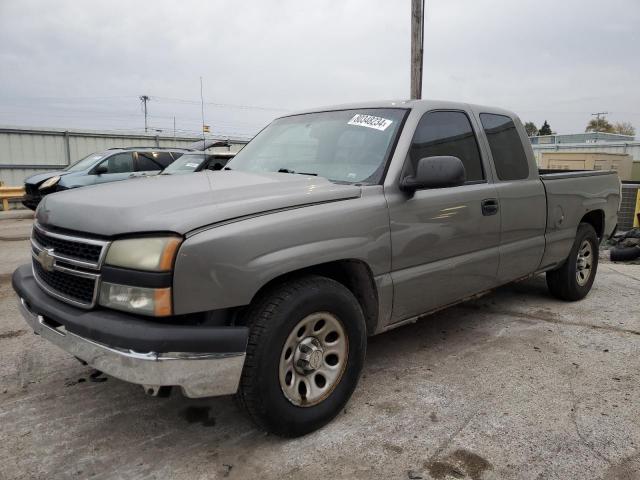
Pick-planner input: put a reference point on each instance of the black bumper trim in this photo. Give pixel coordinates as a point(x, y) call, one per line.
point(120, 330)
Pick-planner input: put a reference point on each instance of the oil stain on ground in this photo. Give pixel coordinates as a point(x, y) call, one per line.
point(12, 334)
point(460, 464)
point(199, 415)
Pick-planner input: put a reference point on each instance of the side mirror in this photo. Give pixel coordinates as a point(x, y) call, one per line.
point(435, 172)
point(100, 170)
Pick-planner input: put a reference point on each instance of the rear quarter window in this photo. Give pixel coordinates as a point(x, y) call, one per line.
point(166, 158)
point(506, 147)
point(147, 162)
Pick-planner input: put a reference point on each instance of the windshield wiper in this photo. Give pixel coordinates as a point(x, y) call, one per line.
point(288, 170)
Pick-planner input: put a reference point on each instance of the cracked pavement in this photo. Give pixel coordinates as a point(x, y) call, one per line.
point(514, 385)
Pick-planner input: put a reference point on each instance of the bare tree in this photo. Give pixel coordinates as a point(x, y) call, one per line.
point(624, 128)
point(531, 129)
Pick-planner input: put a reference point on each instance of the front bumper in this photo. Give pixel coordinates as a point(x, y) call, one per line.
point(199, 373)
point(31, 200)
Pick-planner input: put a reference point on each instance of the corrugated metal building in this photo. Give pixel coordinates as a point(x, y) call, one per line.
point(24, 151)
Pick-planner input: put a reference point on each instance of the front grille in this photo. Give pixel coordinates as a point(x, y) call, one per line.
point(67, 267)
point(68, 248)
point(70, 286)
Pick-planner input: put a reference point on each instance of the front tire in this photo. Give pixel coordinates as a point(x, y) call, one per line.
point(574, 279)
point(306, 350)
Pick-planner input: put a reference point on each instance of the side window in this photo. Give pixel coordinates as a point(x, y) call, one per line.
point(506, 147)
point(147, 162)
point(214, 163)
point(447, 133)
point(119, 163)
point(165, 158)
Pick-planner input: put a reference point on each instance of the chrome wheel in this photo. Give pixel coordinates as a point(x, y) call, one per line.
point(584, 263)
point(313, 359)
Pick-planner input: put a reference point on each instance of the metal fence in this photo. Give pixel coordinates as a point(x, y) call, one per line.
point(24, 152)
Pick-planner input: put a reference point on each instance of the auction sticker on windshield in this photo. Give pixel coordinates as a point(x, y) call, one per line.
point(370, 121)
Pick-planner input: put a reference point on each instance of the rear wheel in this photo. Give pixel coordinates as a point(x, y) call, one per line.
point(574, 279)
point(306, 349)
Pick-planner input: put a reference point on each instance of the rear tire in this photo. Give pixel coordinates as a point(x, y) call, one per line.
point(306, 350)
point(574, 279)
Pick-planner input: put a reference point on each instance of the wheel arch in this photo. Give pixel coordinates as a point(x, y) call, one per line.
point(354, 274)
point(595, 218)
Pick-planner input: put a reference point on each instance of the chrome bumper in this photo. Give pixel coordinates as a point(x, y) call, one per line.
point(198, 374)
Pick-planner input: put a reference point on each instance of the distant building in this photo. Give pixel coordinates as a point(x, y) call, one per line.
point(589, 137)
point(563, 160)
point(589, 144)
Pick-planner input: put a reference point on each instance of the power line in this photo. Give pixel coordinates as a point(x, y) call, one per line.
point(223, 105)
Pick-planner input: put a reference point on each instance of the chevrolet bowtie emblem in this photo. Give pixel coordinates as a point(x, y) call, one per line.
point(46, 259)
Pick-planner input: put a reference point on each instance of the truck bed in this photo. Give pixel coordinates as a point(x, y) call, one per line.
point(570, 196)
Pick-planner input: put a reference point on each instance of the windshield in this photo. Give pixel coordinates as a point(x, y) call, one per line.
point(85, 162)
point(345, 146)
point(187, 163)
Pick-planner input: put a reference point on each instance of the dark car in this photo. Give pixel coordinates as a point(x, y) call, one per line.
point(108, 166)
point(197, 161)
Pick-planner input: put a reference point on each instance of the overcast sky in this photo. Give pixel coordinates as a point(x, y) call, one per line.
point(83, 64)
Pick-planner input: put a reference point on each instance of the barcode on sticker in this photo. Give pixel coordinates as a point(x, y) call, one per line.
point(370, 121)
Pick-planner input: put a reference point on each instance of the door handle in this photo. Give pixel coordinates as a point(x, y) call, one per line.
point(489, 206)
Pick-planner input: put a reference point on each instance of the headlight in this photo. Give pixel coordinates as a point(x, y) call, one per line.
point(155, 254)
point(49, 183)
point(145, 301)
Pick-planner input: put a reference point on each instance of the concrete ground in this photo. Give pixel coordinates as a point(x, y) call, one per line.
point(515, 385)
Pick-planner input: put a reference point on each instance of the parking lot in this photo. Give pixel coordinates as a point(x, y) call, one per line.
point(515, 385)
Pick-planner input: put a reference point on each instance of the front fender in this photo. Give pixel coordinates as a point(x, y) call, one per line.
point(226, 265)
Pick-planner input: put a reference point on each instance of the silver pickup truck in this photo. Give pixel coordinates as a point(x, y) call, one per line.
point(265, 279)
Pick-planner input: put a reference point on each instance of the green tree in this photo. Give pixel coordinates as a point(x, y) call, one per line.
point(624, 128)
point(545, 129)
point(531, 129)
point(599, 125)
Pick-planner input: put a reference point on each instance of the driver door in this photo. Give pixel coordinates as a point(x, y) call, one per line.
point(445, 245)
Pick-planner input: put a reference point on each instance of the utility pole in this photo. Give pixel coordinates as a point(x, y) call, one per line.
point(597, 115)
point(174, 131)
point(417, 42)
point(144, 99)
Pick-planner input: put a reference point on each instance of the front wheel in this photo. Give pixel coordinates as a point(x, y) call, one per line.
point(573, 280)
point(306, 350)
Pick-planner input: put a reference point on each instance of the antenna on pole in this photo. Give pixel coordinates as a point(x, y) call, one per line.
point(202, 107)
point(144, 99)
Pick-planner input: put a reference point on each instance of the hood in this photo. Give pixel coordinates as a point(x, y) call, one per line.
point(181, 203)
point(38, 178)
